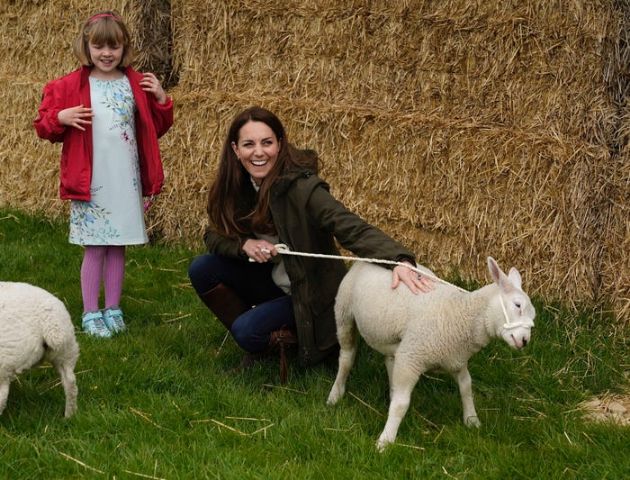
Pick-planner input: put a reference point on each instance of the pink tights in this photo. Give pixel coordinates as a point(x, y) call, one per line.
point(106, 264)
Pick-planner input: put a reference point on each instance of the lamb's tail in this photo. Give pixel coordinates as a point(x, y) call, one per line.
point(347, 336)
point(62, 349)
point(58, 332)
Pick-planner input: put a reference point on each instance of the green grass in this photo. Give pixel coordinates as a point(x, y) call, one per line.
point(152, 401)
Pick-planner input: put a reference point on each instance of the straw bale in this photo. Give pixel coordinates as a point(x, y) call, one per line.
point(474, 197)
point(28, 168)
point(463, 128)
point(151, 22)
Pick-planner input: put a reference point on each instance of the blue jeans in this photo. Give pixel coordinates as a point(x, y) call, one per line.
point(271, 309)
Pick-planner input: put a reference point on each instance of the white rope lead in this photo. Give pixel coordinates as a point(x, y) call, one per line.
point(283, 249)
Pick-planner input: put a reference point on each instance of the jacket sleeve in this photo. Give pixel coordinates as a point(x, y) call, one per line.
point(47, 123)
point(162, 114)
point(351, 231)
point(221, 245)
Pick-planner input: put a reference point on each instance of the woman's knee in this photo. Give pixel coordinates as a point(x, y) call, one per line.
point(246, 337)
point(252, 329)
point(201, 273)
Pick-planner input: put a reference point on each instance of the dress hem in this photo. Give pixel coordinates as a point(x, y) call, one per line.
point(127, 244)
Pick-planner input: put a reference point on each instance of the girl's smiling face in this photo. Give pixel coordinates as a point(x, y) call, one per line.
point(257, 149)
point(106, 59)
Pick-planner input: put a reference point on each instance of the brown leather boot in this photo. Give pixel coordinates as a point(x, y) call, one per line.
point(279, 340)
point(224, 303)
point(283, 339)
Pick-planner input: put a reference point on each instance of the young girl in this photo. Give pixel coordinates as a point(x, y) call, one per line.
point(109, 118)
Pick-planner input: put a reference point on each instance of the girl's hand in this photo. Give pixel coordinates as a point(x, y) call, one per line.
point(150, 83)
point(76, 117)
point(260, 251)
point(415, 282)
point(148, 201)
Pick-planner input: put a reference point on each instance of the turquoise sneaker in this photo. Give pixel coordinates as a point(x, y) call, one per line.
point(94, 325)
point(113, 318)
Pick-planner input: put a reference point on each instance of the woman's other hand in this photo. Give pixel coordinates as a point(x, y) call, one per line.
point(259, 251)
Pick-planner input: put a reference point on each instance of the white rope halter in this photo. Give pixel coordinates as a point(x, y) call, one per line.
point(511, 325)
point(283, 249)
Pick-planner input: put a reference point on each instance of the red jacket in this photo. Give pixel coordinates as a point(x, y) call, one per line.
point(152, 121)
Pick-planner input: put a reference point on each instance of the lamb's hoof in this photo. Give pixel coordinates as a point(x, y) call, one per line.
point(333, 397)
point(336, 392)
point(472, 422)
point(382, 443)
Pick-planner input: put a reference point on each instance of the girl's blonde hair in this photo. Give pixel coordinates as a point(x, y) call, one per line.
point(103, 28)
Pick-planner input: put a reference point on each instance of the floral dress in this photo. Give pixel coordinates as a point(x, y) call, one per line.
point(114, 215)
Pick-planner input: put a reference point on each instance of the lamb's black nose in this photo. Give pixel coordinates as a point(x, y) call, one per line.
point(524, 342)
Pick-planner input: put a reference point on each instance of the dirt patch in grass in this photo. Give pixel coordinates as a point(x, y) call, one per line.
point(608, 408)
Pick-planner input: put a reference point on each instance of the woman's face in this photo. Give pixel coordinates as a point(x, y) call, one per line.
point(257, 148)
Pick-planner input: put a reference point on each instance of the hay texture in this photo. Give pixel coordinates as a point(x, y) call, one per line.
point(462, 128)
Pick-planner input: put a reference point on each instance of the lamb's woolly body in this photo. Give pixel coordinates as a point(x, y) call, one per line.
point(416, 333)
point(446, 331)
point(35, 325)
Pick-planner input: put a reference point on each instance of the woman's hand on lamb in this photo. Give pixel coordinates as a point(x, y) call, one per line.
point(259, 251)
point(415, 282)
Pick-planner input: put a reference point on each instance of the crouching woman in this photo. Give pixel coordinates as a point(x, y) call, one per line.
point(267, 192)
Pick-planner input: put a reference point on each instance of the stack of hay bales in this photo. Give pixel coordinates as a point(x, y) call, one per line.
point(461, 128)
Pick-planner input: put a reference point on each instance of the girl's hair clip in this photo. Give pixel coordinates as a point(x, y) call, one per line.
point(94, 18)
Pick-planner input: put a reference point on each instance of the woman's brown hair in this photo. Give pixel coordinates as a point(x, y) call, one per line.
point(225, 198)
point(103, 28)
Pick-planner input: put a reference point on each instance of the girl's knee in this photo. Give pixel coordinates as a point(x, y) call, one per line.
point(95, 251)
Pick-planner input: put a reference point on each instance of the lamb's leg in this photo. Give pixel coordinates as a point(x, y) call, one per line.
point(403, 380)
point(389, 365)
point(69, 382)
point(348, 343)
point(465, 391)
point(4, 394)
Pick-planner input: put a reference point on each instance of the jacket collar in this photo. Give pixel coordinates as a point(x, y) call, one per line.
point(285, 181)
point(85, 72)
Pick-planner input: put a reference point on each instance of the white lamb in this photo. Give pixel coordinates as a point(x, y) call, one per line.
point(416, 333)
point(35, 325)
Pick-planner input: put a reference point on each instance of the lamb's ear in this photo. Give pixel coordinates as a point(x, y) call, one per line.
point(495, 271)
point(515, 278)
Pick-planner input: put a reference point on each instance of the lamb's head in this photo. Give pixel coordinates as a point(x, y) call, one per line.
point(515, 322)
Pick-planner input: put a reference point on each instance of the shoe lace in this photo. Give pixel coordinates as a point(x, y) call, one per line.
point(100, 325)
point(97, 325)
